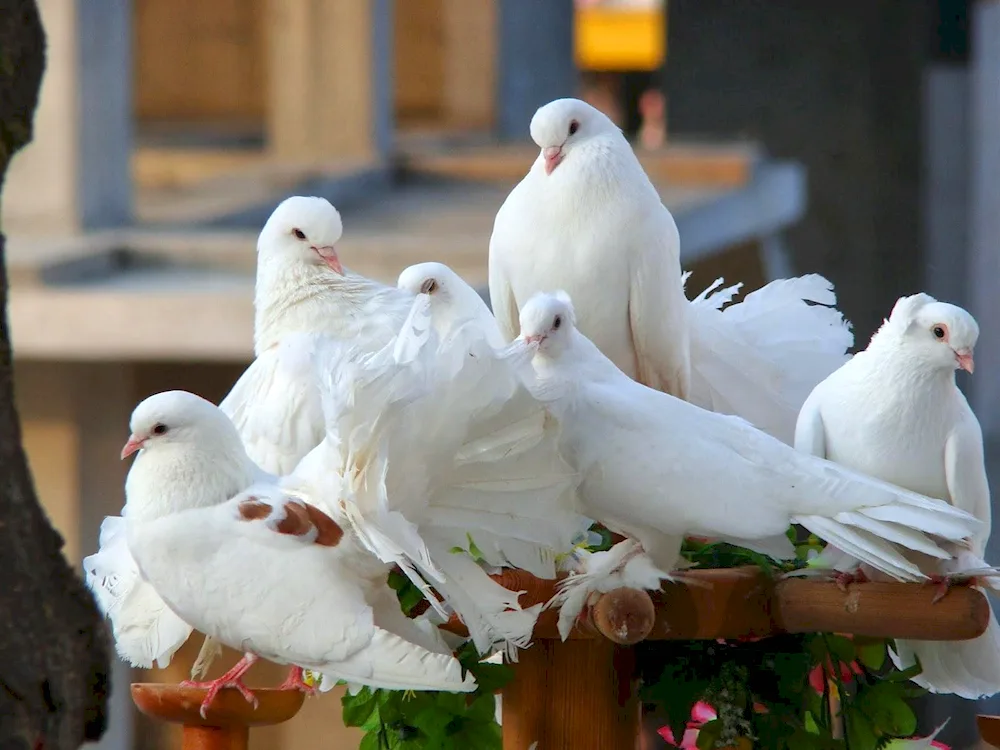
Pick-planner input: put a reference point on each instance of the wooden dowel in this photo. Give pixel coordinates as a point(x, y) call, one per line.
point(989, 729)
point(734, 603)
point(882, 610)
point(227, 722)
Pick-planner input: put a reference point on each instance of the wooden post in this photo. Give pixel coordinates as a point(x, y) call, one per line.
point(227, 723)
point(575, 694)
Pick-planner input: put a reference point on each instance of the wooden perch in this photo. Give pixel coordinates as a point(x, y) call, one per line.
point(227, 723)
point(734, 603)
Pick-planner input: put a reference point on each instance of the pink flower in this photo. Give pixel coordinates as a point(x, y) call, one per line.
point(817, 676)
point(701, 714)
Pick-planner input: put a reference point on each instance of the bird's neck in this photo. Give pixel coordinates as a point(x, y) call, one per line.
point(177, 479)
point(906, 373)
point(290, 297)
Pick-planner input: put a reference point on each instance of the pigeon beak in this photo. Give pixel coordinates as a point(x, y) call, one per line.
point(537, 339)
point(964, 358)
point(553, 156)
point(134, 444)
point(328, 254)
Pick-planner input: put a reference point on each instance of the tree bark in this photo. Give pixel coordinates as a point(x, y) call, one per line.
point(54, 646)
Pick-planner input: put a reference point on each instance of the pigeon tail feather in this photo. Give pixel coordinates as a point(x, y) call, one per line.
point(760, 358)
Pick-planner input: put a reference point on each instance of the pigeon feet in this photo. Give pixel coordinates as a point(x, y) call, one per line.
point(843, 580)
point(294, 681)
point(944, 584)
point(231, 679)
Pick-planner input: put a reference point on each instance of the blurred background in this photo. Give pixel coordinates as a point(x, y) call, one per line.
point(855, 138)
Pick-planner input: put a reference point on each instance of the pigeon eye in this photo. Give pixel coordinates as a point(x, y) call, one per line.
point(299, 234)
point(429, 286)
point(939, 332)
point(557, 322)
point(573, 127)
point(159, 428)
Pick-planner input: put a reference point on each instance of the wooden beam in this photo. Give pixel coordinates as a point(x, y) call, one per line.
point(326, 84)
point(735, 603)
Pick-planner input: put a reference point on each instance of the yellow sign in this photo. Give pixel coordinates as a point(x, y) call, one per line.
point(620, 35)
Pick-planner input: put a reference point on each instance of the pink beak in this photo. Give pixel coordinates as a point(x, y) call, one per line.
point(133, 445)
point(965, 362)
point(553, 155)
point(534, 339)
point(328, 254)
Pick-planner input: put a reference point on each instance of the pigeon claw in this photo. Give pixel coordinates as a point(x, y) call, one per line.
point(295, 681)
point(231, 679)
point(843, 580)
point(944, 584)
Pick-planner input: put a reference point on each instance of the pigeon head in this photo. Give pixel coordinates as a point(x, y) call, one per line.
point(938, 334)
point(547, 321)
point(434, 279)
point(303, 229)
point(566, 125)
point(179, 420)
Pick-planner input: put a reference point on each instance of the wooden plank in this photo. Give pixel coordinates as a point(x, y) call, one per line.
point(419, 51)
point(199, 61)
point(470, 52)
point(681, 164)
point(321, 52)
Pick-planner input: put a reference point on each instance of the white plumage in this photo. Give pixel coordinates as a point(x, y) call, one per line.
point(303, 291)
point(656, 468)
point(453, 301)
point(263, 572)
point(586, 219)
point(474, 465)
point(894, 412)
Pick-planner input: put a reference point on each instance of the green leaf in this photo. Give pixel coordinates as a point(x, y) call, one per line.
point(433, 721)
point(358, 708)
point(840, 648)
point(872, 655)
point(406, 591)
point(371, 742)
point(885, 705)
point(708, 735)
point(860, 734)
point(374, 721)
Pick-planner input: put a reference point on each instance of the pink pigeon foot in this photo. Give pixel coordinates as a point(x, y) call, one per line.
point(294, 681)
point(231, 679)
point(843, 580)
point(944, 584)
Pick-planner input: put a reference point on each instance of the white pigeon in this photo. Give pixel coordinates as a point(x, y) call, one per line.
point(264, 572)
point(656, 468)
point(587, 219)
point(894, 412)
point(145, 630)
point(473, 463)
point(453, 301)
point(303, 291)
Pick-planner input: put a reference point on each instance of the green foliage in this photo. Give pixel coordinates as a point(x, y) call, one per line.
point(408, 720)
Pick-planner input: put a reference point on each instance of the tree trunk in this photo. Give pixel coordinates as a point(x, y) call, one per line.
point(54, 646)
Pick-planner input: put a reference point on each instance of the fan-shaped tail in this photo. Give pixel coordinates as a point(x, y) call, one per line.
point(760, 358)
point(145, 629)
point(876, 522)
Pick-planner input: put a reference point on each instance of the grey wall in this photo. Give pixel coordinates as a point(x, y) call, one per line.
point(836, 86)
